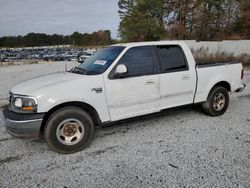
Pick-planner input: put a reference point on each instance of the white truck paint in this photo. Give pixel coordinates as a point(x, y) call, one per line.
point(125, 98)
point(118, 82)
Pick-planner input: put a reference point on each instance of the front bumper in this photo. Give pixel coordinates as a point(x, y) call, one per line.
point(23, 125)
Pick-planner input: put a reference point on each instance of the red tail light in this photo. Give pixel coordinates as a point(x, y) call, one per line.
point(242, 74)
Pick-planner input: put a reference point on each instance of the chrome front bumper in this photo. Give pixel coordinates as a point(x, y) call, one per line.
point(23, 125)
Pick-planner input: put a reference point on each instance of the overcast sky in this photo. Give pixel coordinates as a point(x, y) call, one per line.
point(19, 17)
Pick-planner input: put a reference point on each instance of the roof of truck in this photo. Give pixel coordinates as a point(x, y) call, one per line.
point(164, 42)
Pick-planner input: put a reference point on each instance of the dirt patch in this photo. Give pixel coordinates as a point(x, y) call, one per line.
point(98, 152)
point(10, 159)
point(244, 97)
point(6, 139)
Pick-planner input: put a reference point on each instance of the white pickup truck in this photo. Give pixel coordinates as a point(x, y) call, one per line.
point(116, 83)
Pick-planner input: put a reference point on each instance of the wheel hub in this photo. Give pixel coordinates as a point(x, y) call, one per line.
point(219, 102)
point(70, 131)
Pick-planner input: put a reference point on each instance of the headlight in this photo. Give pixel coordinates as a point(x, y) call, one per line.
point(23, 104)
point(18, 103)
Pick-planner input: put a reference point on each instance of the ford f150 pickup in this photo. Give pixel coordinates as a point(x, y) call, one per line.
point(116, 83)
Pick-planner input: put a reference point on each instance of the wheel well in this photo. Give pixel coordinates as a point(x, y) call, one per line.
point(88, 108)
point(224, 84)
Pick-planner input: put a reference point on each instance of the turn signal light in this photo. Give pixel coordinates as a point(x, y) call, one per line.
point(28, 108)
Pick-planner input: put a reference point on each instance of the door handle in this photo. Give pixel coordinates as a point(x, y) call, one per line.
point(186, 77)
point(150, 82)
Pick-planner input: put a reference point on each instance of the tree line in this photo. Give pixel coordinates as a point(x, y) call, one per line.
point(145, 20)
point(41, 39)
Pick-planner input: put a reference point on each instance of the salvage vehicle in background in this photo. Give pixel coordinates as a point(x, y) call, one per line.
point(82, 56)
point(116, 83)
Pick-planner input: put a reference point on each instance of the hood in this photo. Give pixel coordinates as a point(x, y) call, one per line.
point(29, 86)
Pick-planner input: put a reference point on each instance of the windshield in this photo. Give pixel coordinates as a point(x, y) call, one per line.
point(99, 62)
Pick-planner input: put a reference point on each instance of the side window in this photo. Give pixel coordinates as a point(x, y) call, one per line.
point(139, 60)
point(172, 58)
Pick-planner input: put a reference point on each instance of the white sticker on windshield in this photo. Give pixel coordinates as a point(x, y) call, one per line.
point(100, 62)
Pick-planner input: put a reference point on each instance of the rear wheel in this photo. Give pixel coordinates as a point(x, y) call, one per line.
point(217, 101)
point(69, 130)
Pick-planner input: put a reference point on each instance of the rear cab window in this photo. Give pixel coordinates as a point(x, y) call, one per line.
point(172, 58)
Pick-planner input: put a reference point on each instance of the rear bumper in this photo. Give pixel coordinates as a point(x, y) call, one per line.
point(23, 125)
point(240, 89)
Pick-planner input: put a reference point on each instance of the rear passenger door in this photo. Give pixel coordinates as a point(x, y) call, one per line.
point(177, 79)
point(136, 93)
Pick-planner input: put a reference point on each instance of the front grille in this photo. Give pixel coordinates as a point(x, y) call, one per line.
point(11, 97)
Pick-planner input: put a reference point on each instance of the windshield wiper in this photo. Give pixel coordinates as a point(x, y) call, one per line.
point(78, 70)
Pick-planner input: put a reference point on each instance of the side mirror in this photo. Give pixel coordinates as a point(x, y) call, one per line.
point(121, 70)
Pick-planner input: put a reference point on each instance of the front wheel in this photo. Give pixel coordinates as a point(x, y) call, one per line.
point(217, 101)
point(69, 130)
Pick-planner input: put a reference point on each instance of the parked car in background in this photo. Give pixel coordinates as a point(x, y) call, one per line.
point(82, 56)
point(118, 82)
point(43, 54)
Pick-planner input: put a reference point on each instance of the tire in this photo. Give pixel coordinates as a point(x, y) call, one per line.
point(69, 130)
point(217, 101)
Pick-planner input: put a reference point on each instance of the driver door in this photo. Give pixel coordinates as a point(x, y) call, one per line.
point(137, 92)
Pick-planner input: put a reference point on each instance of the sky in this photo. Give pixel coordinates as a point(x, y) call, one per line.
point(19, 17)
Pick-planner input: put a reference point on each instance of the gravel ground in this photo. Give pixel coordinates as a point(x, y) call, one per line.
point(179, 147)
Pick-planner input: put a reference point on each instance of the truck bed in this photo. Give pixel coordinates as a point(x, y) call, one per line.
point(216, 63)
point(208, 74)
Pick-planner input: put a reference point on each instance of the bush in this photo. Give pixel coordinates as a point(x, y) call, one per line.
point(202, 56)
